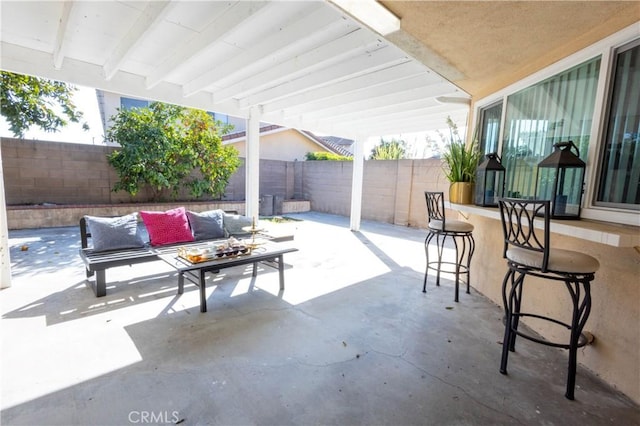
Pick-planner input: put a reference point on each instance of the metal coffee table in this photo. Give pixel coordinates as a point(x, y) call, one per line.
point(268, 253)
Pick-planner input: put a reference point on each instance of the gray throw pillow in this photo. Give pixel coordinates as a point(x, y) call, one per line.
point(113, 233)
point(207, 225)
point(234, 223)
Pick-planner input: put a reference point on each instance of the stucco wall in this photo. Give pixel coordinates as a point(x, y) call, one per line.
point(287, 145)
point(615, 293)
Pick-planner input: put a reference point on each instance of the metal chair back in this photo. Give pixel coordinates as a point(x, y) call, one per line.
point(519, 218)
point(435, 206)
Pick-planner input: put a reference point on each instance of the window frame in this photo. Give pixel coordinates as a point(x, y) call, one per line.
point(606, 49)
point(482, 114)
point(633, 43)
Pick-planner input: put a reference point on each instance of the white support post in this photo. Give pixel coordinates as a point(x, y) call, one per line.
point(5, 260)
point(252, 165)
point(356, 182)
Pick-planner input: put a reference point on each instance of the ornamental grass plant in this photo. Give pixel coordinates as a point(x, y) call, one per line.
point(460, 161)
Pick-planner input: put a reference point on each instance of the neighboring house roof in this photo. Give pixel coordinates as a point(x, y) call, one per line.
point(331, 143)
point(235, 136)
point(325, 142)
point(346, 144)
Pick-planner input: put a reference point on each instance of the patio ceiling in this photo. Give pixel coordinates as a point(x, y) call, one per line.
point(305, 65)
point(308, 64)
point(484, 46)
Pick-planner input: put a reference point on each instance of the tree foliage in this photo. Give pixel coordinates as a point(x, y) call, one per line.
point(169, 147)
point(389, 150)
point(326, 156)
point(27, 101)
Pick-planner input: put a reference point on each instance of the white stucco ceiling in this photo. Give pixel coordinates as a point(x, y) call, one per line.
point(305, 65)
point(485, 45)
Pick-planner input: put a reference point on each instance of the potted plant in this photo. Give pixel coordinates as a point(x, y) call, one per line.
point(459, 164)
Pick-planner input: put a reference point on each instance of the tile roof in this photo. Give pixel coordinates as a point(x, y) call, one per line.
point(331, 143)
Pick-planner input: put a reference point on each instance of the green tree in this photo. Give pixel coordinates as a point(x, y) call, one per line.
point(389, 150)
point(168, 147)
point(27, 101)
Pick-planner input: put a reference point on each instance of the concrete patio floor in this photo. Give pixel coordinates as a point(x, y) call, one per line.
point(352, 340)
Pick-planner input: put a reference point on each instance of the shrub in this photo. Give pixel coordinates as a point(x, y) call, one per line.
point(170, 147)
point(326, 156)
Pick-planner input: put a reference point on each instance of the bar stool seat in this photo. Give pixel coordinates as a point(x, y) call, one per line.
point(528, 253)
point(560, 261)
point(441, 228)
point(450, 226)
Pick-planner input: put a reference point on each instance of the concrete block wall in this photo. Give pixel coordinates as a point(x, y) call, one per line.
point(403, 188)
point(273, 178)
point(426, 175)
point(236, 187)
point(393, 191)
point(38, 172)
point(30, 217)
point(298, 181)
point(327, 184)
point(379, 192)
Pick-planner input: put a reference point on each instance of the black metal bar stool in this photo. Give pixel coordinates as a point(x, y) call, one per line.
point(440, 228)
point(526, 248)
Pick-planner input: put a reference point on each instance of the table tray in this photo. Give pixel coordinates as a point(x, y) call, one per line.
point(228, 253)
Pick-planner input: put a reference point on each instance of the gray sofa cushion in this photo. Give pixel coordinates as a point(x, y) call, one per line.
point(207, 225)
point(233, 224)
point(113, 233)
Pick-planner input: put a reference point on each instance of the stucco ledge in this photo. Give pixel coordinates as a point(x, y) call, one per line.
point(611, 234)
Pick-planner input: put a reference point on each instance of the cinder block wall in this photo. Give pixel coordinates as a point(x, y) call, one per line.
point(393, 191)
point(379, 194)
point(38, 172)
point(327, 185)
point(426, 175)
point(65, 173)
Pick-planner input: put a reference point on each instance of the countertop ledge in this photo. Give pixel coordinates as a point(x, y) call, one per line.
point(611, 234)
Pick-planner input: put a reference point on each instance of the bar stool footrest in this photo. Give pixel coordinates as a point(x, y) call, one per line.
point(463, 268)
point(586, 338)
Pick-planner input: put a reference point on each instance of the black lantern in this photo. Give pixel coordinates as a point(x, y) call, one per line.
point(560, 178)
point(489, 181)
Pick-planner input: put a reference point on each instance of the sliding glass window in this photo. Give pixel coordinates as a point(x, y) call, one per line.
point(619, 183)
point(490, 128)
point(555, 110)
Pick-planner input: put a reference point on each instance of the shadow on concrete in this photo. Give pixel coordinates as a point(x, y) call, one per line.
point(78, 301)
point(367, 354)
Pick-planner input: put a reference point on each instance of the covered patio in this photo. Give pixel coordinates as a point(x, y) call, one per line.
point(351, 340)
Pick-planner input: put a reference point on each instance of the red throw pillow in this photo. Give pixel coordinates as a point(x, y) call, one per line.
point(167, 227)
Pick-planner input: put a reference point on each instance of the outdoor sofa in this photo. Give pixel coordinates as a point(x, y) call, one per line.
point(108, 242)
